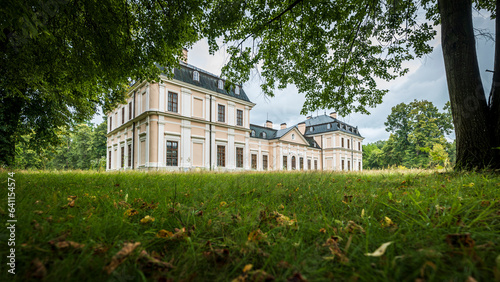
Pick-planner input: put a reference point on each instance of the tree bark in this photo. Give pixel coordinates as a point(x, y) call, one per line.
point(494, 101)
point(468, 102)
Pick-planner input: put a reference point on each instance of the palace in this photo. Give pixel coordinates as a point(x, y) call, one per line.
point(191, 122)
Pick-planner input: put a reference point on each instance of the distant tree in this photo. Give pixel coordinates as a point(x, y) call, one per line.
point(60, 60)
point(373, 157)
point(415, 129)
point(438, 156)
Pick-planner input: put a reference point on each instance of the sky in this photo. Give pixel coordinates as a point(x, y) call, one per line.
point(426, 80)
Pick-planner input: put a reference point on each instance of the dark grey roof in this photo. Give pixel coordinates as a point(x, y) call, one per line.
point(207, 80)
point(276, 134)
point(282, 132)
point(270, 133)
point(320, 124)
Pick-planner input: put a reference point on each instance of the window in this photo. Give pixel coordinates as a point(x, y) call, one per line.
point(315, 164)
point(123, 115)
point(348, 165)
point(263, 135)
point(196, 76)
point(264, 162)
point(359, 146)
point(311, 129)
point(293, 136)
point(220, 84)
point(172, 153)
point(110, 123)
point(239, 157)
point(109, 160)
point(221, 156)
point(239, 117)
point(221, 113)
point(328, 126)
point(359, 166)
point(252, 133)
point(301, 163)
point(237, 90)
point(348, 143)
point(309, 164)
point(254, 161)
point(122, 155)
point(172, 102)
point(285, 163)
point(293, 163)
point(342, 142)
point(129, 155)
point(342, 164)
point(130, 111)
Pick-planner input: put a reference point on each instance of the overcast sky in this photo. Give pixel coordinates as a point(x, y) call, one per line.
point(426, 80)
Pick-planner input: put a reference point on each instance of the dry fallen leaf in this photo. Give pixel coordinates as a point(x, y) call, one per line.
point(153, 262)
point(147, 219)
point(247, 268)
point(352, 227)
point(164, 234)
point(380, 251)
point(39, 270)
point(332, 244)
point(68, 244)
point(256, 235)
point(119, 257)
point(458, 240)
point(130, 212)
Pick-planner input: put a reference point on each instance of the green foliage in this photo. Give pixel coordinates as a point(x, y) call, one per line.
point(416, 140)
point(61, 60)
point(82, 147)
point(332, 51)
point(220, 211)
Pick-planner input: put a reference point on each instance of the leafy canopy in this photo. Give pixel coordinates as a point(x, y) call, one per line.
point(333, 51)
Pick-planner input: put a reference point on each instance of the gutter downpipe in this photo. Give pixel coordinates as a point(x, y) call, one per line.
point(210, 146)
point(133, 134)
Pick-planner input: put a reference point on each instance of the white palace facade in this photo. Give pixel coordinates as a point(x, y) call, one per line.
point(190, 122)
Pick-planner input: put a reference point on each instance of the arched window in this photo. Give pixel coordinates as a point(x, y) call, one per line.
point(237, 90)
point(263, 135)
point(252, 133)
point(293, 163)
point(196, 76)
point(221, 84)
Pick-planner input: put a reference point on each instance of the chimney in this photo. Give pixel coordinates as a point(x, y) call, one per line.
point(283, 125)
point(333, 115)
point(309, 117)
point(184, 55)
point(269, 124)
point(302, 127)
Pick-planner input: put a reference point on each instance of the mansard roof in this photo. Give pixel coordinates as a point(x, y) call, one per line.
point(320, 124)
point(207, 80)
point(271, 134)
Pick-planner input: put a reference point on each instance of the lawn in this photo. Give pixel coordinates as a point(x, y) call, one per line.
point(133, 226)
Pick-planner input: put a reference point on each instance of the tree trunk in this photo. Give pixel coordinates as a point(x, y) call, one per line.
point(468, 102)
point(494, 101)
point(10, 113)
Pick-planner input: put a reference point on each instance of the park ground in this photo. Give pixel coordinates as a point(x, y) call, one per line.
point(392, 225)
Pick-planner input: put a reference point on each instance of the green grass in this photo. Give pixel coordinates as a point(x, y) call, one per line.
point(220, 210)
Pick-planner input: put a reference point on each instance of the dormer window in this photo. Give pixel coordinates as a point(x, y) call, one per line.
point(237, 90)
point(252, 133)
point(311, 129)
point(196, 76)
point(328, 126)
point(221, 84)
point(263, 135)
